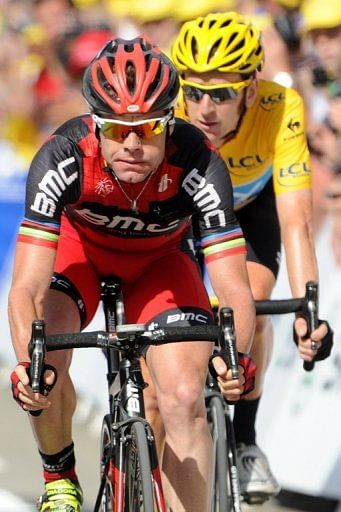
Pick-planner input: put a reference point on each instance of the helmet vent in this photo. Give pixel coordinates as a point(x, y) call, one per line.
point(214, 48)
point(194, 46)
point(154, 84)
point(131, 77)
point(232, 38)
point(109, 90)
point(129, 48)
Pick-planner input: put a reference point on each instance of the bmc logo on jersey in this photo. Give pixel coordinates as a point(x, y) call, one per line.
point(51, 187)
point(205, 196)
point(125, 223)
point(270, 102)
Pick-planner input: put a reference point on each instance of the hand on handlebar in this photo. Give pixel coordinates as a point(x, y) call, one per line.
point(318, 345)
point(232, 389)
point(22, 391)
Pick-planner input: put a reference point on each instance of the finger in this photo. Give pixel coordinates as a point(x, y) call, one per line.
point(309, 346)
point(233, 394)
point(49, 377)
point(22, 375)
point(319, 333)
point(306, 353)
point(34, 401)
point(228, 385)
point(219, 365)
point(301, 327)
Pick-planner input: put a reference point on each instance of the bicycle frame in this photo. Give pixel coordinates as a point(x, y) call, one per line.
point(126, 405)
point(129, 338)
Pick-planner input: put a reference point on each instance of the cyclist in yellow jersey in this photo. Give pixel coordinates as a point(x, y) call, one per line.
point(258, 128)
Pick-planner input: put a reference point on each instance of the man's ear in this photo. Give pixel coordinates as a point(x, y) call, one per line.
point(251, 93)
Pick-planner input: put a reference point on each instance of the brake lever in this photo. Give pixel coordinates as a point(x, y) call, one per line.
point(310, 313)
point(37, 350)
point(228, 340)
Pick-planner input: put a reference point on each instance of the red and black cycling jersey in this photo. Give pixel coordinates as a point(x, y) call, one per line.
point(69, 176)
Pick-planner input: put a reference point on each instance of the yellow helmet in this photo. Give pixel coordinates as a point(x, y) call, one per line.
point(321, 14)
point(225, 42)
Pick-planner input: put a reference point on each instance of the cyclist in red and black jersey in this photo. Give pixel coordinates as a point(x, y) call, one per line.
point(113, 192)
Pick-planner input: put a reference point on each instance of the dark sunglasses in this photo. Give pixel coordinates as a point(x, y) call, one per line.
point(217, 93)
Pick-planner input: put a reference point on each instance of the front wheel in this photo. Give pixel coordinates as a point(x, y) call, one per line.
point(221, 500)
point(107, 484)
point(138, 470)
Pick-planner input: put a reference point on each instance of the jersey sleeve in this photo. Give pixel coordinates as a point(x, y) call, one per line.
point(291, 164)
point(53, 181)
point(211, 190)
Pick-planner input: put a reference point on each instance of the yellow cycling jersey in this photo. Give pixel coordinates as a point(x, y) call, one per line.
point(271, 142)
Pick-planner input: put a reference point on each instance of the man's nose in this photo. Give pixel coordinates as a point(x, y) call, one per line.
point(132, 142)
point(207, 105)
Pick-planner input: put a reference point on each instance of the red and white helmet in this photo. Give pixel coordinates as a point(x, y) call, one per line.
point(129, 77)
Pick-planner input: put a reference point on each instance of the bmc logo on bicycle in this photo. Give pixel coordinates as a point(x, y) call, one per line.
point(133, 399)
point(52, 186)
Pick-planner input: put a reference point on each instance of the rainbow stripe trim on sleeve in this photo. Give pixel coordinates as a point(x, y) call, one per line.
point(46, 235)
point(223, 244)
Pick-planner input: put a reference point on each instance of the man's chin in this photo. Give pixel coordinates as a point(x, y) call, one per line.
point(132, 173)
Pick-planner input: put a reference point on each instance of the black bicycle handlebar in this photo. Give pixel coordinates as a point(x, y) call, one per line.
point(307, 306)
point(138, 336)
point(279, 307)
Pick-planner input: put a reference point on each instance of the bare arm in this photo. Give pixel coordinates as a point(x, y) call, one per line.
point(230, 282)
point(32, 273)
point(295, 217)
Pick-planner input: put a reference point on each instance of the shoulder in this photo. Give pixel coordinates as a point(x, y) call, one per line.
point(80, 132)
point(185, 132)
point(273, 97)
point(76, 137)
point(188, 146)
point(188, 137)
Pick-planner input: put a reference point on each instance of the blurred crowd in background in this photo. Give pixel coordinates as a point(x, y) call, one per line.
point(46, 44)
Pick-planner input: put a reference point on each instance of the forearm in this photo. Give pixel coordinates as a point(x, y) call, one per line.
point(23, 308)
point(300, 256)
point(295, 216)
point(242, 303)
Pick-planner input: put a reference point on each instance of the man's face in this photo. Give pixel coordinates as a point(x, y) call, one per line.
point(327, 44)
point(215, 119)
point(133, 151)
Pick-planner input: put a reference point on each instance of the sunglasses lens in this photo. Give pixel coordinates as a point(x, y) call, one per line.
point(119, 132)
point(193, 93)
point(111, 131)
point(217, 95)
point(222, 94)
